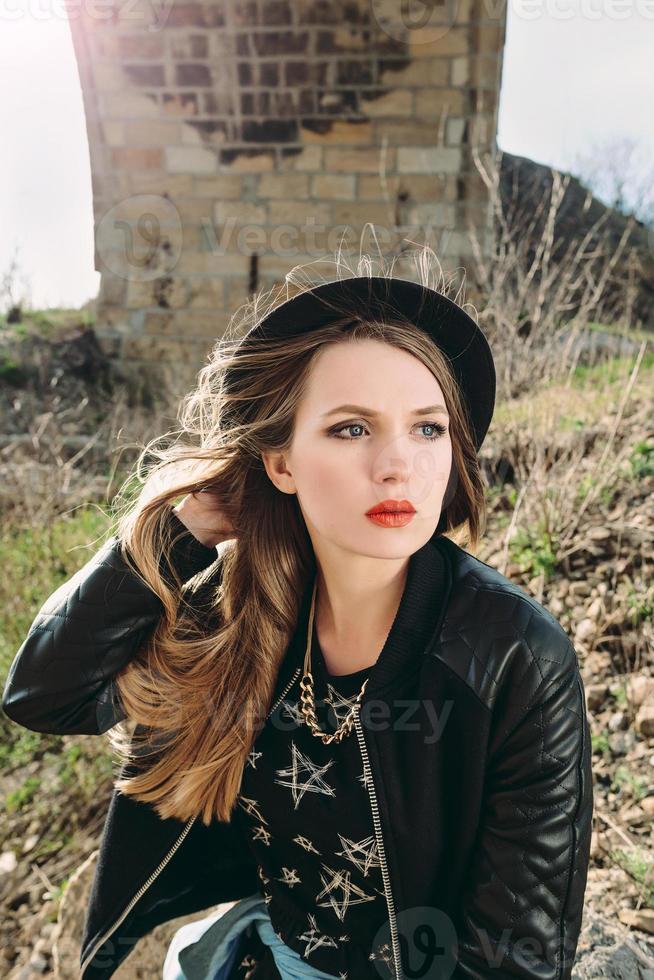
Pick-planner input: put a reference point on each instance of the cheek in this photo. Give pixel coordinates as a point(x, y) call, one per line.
point(329, 477)
point(431, 468)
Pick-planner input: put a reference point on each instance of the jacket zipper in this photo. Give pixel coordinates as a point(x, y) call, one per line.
point(392, 918)
point(142, 890)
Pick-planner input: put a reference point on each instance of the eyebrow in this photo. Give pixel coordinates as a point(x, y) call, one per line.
point(360, 410)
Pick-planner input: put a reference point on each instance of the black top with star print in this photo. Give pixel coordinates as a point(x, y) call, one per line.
point(307, 813)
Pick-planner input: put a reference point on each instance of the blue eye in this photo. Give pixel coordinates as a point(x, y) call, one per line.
point(440, 430)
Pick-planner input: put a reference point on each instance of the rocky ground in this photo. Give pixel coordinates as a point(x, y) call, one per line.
point(55, 790)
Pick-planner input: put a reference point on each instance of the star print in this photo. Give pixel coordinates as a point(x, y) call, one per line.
point(252, 758)
point(289, 877)
point(293, 711)
point(384, 952)
point(314, 784)
point(341, 706)
point(250, 806)
point(351, 894)
point(365, 780)
point(260, 833)
point(306, 844)
point(313, 938)
point(366, 850)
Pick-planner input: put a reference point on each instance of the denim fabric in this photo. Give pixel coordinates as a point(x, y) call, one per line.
point(206, 949)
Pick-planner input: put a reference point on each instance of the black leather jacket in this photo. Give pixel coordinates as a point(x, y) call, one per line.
point(483, 832)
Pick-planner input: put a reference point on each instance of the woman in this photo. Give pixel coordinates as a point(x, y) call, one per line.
point(370, 740)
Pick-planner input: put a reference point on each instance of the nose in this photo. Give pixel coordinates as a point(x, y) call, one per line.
point(394, 469)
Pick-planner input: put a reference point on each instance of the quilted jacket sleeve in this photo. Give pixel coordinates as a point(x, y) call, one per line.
point(60, 680)
point(523, 901)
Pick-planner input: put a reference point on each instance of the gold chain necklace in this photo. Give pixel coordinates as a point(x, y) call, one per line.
point(308, 704)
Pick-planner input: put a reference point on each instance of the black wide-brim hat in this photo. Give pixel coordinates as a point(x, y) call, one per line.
point(448, 325)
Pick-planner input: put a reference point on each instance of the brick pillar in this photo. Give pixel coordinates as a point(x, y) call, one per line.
point(232, 140)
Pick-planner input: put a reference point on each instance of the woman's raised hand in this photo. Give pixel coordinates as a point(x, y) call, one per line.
point(204, 514)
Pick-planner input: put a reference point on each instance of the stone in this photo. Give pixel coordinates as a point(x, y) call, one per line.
point(596, 694)
point(190, 159)
point(585, 629)
point(8, 862)
point(422, 159)
point(644, 722)
point(638, 919)
point(640, 690)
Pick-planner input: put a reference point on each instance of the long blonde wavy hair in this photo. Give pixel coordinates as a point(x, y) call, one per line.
point(202, 683)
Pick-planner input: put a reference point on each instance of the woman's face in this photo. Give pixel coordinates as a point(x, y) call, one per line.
point(342, 463)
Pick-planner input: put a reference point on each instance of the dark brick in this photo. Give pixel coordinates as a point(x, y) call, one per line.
point(191, 74)
point(208, 128)
point(354, 73)
point(307, 101)
point(195, 15)
point(181, 104)
point(376, 93)
point(392, 64)
point(276, 12)
point(268, 73)
point(282, 104)
point(228, 156)
point(347, 101)
point(243, 45)
point(185, 15)
point(247, 103)
point(321, 72)
point(247, 14)
point(146, 74)
point(357, 13)
point(213, 15)
point(296, 73)
point(244, 73)
point(286, 152)
point(318, 125)
point(280, 42)
point(320, 12)
point(199, 46)
point(270, 131)
point(326, 42)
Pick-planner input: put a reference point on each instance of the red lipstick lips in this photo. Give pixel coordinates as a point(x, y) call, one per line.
point(392, 513)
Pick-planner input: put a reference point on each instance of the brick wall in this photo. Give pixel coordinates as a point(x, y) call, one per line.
point(230, 141)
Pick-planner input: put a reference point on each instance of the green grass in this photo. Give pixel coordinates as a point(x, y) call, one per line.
point(534, 551)
point(23, 796)
point(637, 786)
point(600, 743)
point(591, 393)
point(611, 371)
point(639, 864)
point(47, 323)
point(40, 560)
point(618, 331)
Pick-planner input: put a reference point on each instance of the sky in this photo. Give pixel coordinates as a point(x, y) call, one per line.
point(576, 77)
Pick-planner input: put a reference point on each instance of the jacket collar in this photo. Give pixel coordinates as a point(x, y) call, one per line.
point(416, 624)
